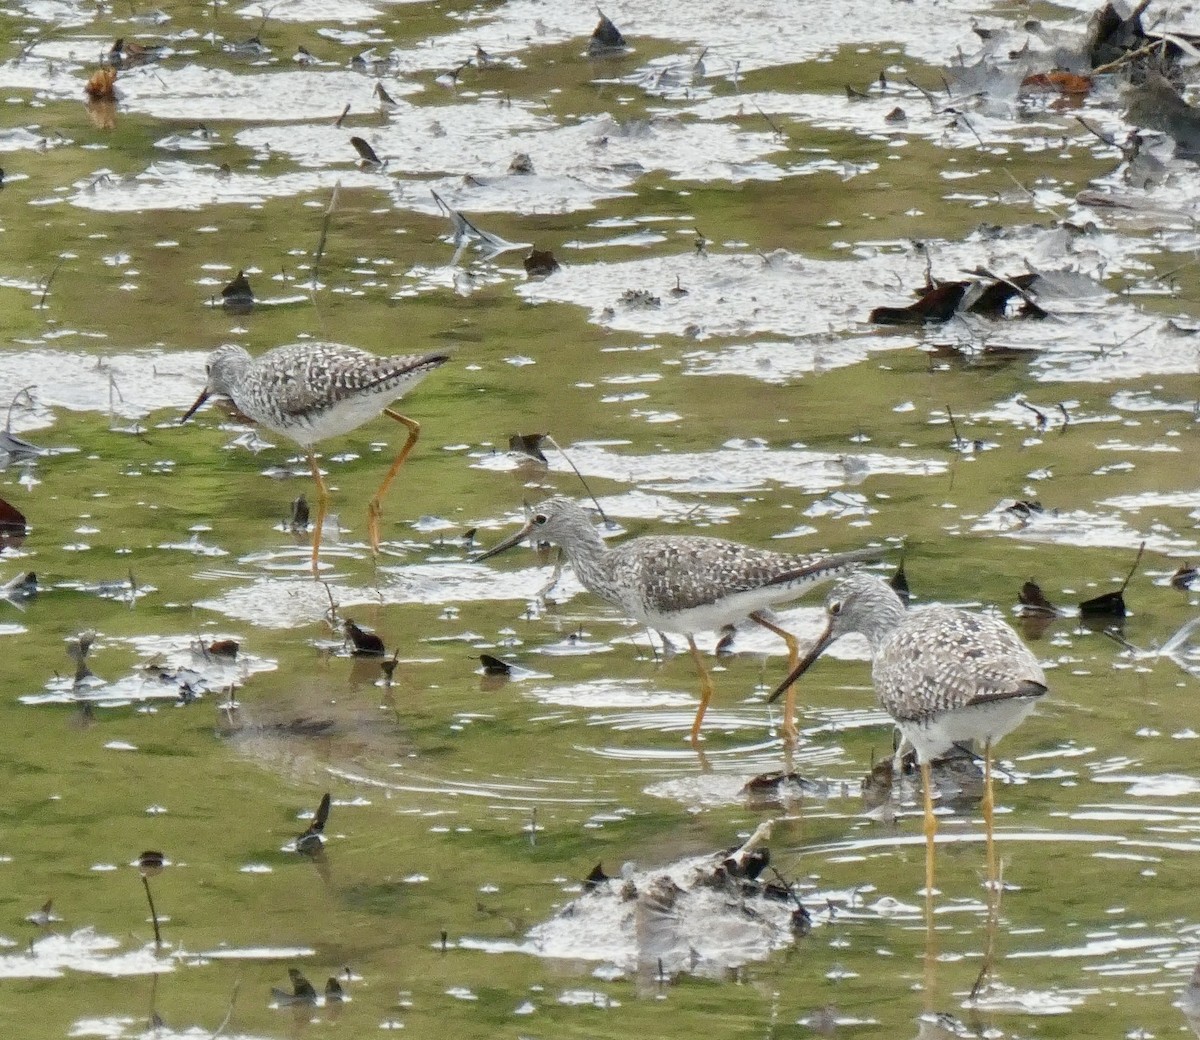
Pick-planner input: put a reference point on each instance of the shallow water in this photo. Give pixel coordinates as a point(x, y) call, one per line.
point(726, 218)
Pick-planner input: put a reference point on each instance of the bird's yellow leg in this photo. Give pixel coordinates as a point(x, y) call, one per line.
point(322, 504)
point(375, 506)
point(930, 832)
point(993, 875)
point(989, 822)
point(706, 690)
point(791, 735)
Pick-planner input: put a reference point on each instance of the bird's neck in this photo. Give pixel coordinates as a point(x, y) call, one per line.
point(229, 375)
point(588, 555)
point(882, 622)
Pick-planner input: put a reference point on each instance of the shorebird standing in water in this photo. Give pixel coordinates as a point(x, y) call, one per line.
point(312, 391)
point(945, 675)
point(685, 583)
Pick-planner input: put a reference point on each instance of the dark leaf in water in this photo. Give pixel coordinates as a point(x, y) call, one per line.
point(340, 119)
point(468, 536)
point(529, 444)
point(44, 915)
point(366, 644)
point(1111, 604)
point(767, 785)
point(11, 518)
point(322, 816)
point(1110, 35)
point(605, 37)
point(896, 115)
point(1025, 509)
point(302, 990)
point(494, 666)
point(854, 94)
point(899, 584)
point(801, 921)
point(540, 263)
point(224, 648)
point(365, 151)
point(1034, 600)
point(936, 304)
point(299, 520)
point(151, 862)
point(596, 878)
point(237, 296)
point(992, 301)
point(389, 666)
point(333, 991)
point(1182, 579)
point(383, 95)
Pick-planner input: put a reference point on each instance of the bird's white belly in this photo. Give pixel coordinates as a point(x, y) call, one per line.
point(710, 617)
point(983, 722)
point(344, 417)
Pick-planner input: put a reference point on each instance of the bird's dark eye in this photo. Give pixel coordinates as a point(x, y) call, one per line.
point(835, 608)
point(540, 519)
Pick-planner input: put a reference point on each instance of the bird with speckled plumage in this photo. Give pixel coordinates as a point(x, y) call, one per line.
point(311, 391)
point(684, 583)
point(945, 675)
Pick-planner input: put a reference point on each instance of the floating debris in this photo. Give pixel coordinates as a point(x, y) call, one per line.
point(1182, 579)
point(237, 297)
point(312, 841)
point(298, 524)
point(302, 991)
point(365, 643)
point(596, 878)
point(530, 445)
point(606, 38)
point(227, 648)
point(494, 666)
point(703, 915)
point(521, 165)
point(44, 915)
point(1111, 604)
point(366, 152)
point(539, 263)
point(101, 85)
point(1034, 602)
point(150, 864)
point(78, 648)
point(18, 589)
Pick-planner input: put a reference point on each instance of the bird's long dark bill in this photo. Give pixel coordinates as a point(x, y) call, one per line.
point(819, 646)
point(192, 411)
point(508, 543)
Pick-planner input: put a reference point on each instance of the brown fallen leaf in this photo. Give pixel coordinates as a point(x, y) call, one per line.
point(1058, 80)
point(100, 85)
point(937, 304)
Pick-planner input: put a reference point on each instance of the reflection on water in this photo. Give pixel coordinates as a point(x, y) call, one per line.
point(728, 199)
